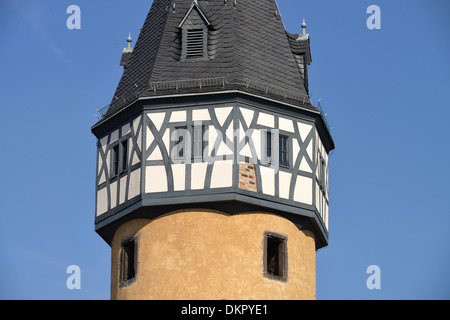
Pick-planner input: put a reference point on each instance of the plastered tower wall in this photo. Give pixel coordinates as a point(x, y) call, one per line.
point(205, 254)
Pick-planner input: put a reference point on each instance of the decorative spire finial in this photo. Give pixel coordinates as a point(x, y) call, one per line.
point(129, 41)
point(304, 27)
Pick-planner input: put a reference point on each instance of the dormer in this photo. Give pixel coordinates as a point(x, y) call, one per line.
point(194, 34)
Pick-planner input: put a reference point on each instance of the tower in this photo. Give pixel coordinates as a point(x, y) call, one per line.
point(212, 162)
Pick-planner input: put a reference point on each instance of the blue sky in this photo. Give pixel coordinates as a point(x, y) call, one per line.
point(385, 92)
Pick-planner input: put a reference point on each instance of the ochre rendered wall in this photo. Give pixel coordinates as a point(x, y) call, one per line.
point(203, 254)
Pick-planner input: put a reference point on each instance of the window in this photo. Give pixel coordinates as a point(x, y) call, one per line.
point(194, 43)
point(180, 142)
point(128, 260)
point(119, 159)
point(115, 161)
point(188, 142)
point(124, 163)
point(283, 148)
point(198, 145)
point(322, 171)
point(269, 146)
point(275, 256)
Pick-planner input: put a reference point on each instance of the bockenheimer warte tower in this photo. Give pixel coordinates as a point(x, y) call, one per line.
point(212, 162)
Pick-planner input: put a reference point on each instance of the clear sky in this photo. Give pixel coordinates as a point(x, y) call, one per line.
point(385, 92)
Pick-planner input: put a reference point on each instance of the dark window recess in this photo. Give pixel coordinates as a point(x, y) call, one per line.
point(284, 155)
point(128, 261)
point(269, 146)
point(124, 163)
point(275, 262)
point(322, 171)
point(115, 161)
point(194, 43)
point(283, 149)
point(180, 142)
point(198, 145)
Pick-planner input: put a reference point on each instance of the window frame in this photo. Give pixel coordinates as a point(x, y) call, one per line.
point(268, 148)
point(285, 152)
point(124, 261)
point(115, 158)
point(282, 273)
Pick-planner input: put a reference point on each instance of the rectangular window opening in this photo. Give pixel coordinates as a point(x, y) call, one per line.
point(180, 142)
point(128, 261)
point(115, 161)
point(284, 151)
point(124, 163)
point(275, 262)
point(198, 145)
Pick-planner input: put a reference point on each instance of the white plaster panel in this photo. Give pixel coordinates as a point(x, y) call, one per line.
point(134, 159)
point(178, 116)
point(166, 140)
point(222, 114)
point(317, 197)
point(139, 141)
point(212, 136)
point(286, 124)
point(303, 190)
point(104, 143)
point(155, 179)
point(256, 139)
point(223, 150)
point(304, 130)
point(102, 201)
point(156, 154)
point(134, 189)
point(179, 177)
point(113, 194)
point(304, 166)
point(266, 119)
point(157, 119)
point(123, 189)
point(285, 183)
point(248, 116)
point(295, 150)
point(114, 136)
point(149, 138)
point(246, 151)
point(198, 175)
point(309, 150)
point(267, 180)
point(125, 129)
point(200, 115)
point(222, 174)
point(102, 178)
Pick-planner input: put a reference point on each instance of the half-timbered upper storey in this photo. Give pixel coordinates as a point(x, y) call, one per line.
point(213, 111)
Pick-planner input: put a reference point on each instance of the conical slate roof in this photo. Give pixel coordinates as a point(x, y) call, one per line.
point(247, 48)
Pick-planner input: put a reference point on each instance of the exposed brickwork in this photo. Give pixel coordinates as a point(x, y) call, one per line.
point(247, 177)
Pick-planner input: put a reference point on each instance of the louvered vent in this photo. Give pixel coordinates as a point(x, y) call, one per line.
point(194, 44)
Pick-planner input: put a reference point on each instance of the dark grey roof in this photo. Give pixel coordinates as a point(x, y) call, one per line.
point(248, 50)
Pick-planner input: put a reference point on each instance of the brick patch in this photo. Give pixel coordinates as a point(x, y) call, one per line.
point(247, 177)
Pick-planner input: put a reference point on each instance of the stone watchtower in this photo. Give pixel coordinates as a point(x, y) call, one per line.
point(212, 169)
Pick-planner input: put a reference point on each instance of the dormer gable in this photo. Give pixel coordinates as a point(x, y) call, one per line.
point(194, 32)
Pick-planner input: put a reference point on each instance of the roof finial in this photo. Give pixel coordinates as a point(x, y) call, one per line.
point(304, 27)
point(129, 40)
